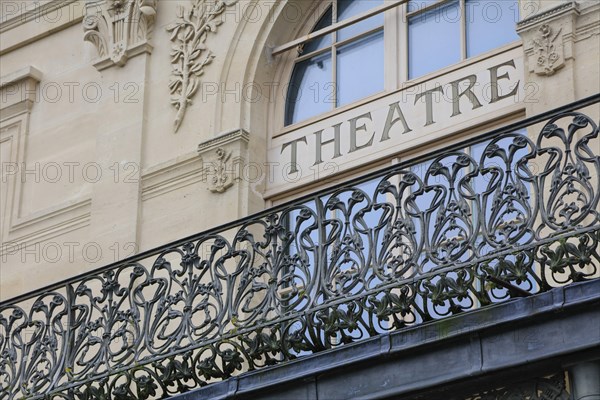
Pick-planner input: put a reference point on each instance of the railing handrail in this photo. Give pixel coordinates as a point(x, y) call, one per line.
point(336, 27)
point(351, 182)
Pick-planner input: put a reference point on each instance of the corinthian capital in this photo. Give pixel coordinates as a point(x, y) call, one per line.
point(119, 29)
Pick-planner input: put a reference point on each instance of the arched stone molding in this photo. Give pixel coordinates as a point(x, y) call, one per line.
point(258, 78)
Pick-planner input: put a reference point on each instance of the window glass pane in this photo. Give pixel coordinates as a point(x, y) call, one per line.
point(416, 5)
point(434, 39)
point(323, 41)
point(490, 24)
point(350, 8)
point(360, 69)
point(311, 91)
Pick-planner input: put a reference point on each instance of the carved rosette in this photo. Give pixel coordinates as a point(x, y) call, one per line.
point(119, 29)
point(190, 54)
point(549, 50)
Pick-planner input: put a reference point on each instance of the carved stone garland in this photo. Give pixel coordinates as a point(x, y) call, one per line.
point(119, 29)
point(190, 55)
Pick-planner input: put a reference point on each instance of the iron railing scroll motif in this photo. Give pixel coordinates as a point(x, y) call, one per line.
point(508, 214)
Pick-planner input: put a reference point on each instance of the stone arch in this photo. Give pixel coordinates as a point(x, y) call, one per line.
point(260, 76)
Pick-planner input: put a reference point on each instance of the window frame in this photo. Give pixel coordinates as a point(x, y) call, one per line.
point(333, 48)
point(407, 15)
point(396, 51)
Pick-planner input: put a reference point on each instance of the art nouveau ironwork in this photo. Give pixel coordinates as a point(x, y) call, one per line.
point(553, 387)
point(512, 213)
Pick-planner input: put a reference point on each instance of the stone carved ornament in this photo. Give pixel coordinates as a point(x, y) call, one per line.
point(190, 54)
point(548, 51)
point(118, 27)
point(219, 172)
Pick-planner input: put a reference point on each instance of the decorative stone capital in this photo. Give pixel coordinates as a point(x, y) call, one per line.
point(223, 159)
point(119, 29)
point(548, 37)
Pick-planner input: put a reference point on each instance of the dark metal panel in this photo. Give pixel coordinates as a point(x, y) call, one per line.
point(440, 363)
point(564, 333)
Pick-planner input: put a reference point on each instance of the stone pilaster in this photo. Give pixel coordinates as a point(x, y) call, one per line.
point(548, 43)
point(116, 196)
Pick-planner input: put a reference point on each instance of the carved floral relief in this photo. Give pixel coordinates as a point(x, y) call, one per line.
point(191, 54)
point(548, 50)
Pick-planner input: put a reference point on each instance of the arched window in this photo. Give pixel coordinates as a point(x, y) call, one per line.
point(441, 33)
point(339, 68)
point(424, 36)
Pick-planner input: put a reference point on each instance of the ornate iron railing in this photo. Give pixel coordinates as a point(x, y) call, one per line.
point(553, 387)
point(512, 213)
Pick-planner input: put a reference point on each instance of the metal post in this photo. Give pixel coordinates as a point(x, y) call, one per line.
point(586, 380)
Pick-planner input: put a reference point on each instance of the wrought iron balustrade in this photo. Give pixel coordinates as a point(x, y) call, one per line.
point(511, 213)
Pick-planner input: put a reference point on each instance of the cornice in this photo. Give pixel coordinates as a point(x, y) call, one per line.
point(54, 231)
point(61, 211)
point(71, 217)
point(171, 176)
point(214, 162)
point(19, 75)
point(33, 13)
point(586, 31)
point(18, 90)
point(544, 16)
point(224, 139)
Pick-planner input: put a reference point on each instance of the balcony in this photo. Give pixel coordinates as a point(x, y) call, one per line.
point(513, 213)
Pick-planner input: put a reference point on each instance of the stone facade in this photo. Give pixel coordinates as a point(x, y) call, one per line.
point(100, 132)
point(128, 124)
